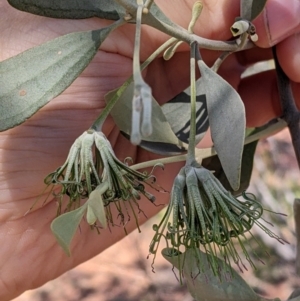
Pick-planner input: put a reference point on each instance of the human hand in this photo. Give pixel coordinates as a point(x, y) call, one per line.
point(29, 255)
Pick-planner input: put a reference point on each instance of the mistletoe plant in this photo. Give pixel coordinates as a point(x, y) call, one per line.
point(204, 218)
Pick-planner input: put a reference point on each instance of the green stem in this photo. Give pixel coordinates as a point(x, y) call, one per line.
point(141, 102)
point(97, 125)
point(137, 76)
point(183, 35)
point(243, 40)
point(176, 31)
point(217, 64)
point(192, 136)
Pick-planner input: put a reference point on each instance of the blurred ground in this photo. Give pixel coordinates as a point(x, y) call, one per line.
point(122, 273)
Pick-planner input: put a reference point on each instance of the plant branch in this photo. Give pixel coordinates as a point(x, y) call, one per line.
point(290, 112)
point(182, 34)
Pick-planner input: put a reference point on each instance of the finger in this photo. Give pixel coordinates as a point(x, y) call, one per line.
point(289, 56)
point(279, 19)
point(253, 55)
point(261, 101)
point(260, 96)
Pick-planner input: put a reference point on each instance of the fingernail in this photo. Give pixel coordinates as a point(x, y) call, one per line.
point(281, 17)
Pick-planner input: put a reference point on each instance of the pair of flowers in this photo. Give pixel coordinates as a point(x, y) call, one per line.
point(201, 213)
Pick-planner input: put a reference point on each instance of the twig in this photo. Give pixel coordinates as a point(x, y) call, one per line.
point(192, 142)
point(182, 34)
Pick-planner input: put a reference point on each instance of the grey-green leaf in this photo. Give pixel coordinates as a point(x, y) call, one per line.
point(162, 140)
point(64, 227)
point(213, 163)
point(250, 9)
point(71, 9)
point(203, 284)
point(95, 208)
point(226, 114)
point(178, 114)
point(31, 79)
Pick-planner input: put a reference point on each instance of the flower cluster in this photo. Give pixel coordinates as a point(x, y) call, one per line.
point(91, 170)
point(206, 215)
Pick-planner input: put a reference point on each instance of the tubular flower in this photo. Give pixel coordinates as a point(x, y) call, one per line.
point(206, 215)
point(92, 162)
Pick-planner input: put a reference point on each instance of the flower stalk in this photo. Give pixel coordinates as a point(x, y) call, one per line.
point(192, 136)
point(142, 98)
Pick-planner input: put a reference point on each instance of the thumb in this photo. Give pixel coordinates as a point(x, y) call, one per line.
point(279, 19)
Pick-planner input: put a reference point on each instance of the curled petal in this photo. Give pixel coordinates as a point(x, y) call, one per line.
point(239, 27)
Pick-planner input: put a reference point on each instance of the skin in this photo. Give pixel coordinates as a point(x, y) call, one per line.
point(29, 254)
